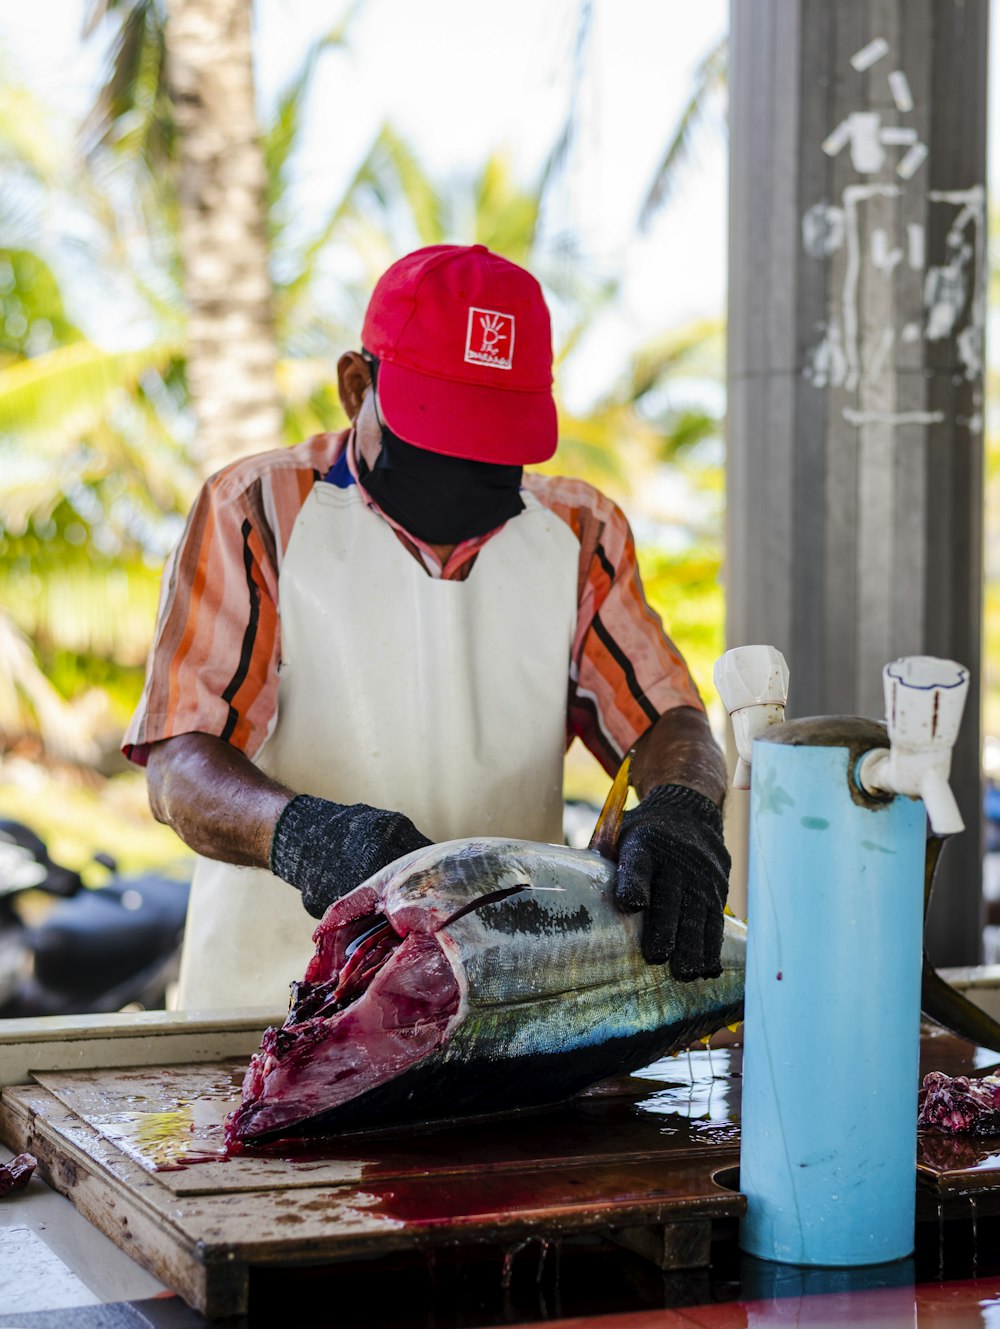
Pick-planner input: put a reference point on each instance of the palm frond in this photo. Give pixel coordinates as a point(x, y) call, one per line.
point(389, 171)
point(558, 155)
point(133, 444)
point(685, 430)
point(31, 706)
point(282, 136)
point(32, 312)
point(96, 11)
point(584, 302)
point(506, 215)
point(132, 112)
point(310, 399)
point(591, 448)
point(88, 605)
point(25, 130)
point(696, 348)
point(33, 488)
point(396, 164)
point(709, 80)
point(63, 392)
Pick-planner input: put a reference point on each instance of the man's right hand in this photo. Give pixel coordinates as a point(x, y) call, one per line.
point(325, 849)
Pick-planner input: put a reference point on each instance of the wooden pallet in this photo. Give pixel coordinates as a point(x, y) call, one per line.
point(137, 1151)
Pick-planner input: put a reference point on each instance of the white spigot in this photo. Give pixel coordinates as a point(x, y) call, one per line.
point(924, 700)
point(753, 684)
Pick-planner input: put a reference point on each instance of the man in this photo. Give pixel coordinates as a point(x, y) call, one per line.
point(386, 637)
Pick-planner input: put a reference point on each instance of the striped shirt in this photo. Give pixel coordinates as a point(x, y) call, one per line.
point(213, 666)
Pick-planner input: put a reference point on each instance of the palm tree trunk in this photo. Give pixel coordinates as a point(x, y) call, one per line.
point(232, 350)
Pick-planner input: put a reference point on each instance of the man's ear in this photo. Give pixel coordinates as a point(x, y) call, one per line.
point(353, 378)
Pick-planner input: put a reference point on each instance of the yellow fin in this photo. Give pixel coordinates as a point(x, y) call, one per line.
point(609, 823)
point(727, 911)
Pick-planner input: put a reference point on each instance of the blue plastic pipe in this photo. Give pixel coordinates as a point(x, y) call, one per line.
point(832, 1017)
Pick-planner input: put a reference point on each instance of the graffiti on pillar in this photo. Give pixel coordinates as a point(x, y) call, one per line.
point(953, 295)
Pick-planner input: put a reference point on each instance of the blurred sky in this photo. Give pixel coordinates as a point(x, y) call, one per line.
point(459, 79)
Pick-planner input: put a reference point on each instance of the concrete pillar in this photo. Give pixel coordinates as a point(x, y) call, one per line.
point(856, 315)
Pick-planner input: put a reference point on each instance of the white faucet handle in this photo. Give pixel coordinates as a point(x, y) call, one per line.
point(924, 700)
point(751, 676)
point(753, 684)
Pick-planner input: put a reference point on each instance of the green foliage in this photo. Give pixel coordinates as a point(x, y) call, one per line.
point(65, 597)
point(506, 216)
point(133, 115)
point(695, 350)
point(991, 654)
point(314, 407)
point(636, 432)
point(686, 591)
point(71, 389)
point(33, 318)
point(74, 673)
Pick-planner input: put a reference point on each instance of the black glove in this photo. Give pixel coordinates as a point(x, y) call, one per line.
point(326, 849)
point(673, 864)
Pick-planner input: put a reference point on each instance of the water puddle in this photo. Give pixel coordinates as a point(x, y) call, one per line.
point(700, 1098)
point(165, 1132)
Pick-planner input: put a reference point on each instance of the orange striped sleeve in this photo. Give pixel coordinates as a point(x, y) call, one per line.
point(213, 664)
point(625, 670)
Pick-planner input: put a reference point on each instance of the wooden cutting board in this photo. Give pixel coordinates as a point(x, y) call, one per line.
point(139, 1151)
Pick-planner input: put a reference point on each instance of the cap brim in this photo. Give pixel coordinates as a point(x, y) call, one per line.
point(498, 425)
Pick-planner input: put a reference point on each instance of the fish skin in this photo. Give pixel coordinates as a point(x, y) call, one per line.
point(540, 990)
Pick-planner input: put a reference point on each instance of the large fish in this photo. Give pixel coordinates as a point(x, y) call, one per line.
point(476, 977)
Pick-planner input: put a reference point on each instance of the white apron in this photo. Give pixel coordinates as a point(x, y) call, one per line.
point(445, 700)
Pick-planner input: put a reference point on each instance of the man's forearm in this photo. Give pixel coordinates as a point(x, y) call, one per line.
point(680, 749)
point(219, 803)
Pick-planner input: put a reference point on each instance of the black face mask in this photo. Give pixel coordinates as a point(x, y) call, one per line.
point(442, 500)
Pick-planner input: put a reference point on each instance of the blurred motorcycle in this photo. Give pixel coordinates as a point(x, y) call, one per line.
point(106, 948)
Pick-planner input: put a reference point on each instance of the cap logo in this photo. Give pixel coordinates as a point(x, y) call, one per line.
point(490, 338)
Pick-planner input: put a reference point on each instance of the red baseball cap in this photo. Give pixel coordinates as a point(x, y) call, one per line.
point(464, 344)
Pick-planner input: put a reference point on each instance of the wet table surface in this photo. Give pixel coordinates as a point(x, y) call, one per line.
point(140, 1152)
point(144, 1147)
point(169, 1120)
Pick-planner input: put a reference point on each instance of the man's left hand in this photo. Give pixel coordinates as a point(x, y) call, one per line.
point(673, 864)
